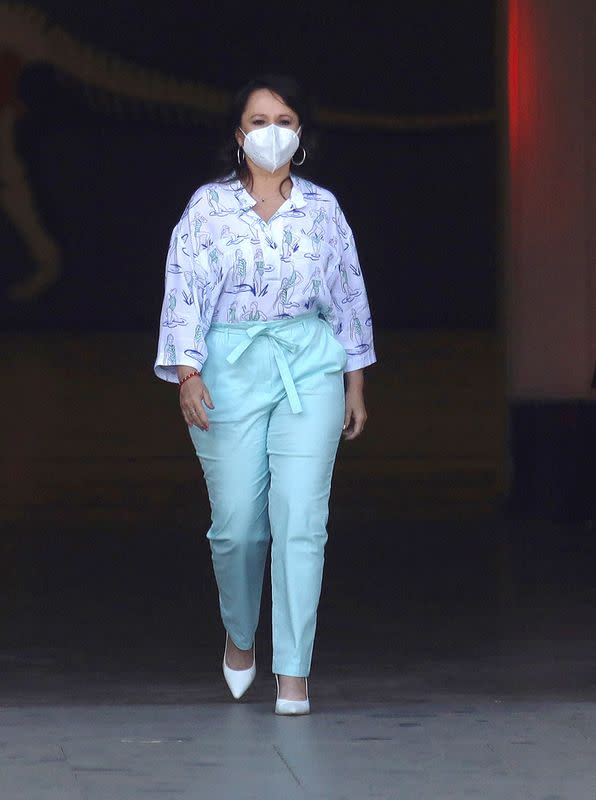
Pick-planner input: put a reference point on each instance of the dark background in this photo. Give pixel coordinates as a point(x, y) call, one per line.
point(103, 557)
point(110, 184)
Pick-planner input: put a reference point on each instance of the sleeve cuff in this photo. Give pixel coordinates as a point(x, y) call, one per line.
point(361, 361)
point(168, 372)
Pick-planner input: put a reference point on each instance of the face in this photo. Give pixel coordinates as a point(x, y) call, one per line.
point(264, 108)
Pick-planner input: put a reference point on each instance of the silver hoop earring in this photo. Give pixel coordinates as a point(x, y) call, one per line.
point(299, 163)
point(238, 156)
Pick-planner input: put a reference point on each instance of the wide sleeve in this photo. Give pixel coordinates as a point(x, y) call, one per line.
point(353, 321)
point(181, 328)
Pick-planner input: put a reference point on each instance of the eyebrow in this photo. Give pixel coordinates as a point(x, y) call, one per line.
point(262, 114)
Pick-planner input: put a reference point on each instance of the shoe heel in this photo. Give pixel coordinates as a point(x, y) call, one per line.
point(291, 707)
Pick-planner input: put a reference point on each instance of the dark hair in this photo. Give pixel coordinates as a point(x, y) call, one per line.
point(292, 94)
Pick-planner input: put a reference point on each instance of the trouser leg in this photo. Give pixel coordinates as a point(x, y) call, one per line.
point(234, 461)
point(302, 449)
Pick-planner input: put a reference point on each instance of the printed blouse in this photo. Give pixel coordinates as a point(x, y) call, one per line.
point(226, 264)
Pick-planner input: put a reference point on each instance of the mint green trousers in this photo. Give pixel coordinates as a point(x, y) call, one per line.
point(268, 458)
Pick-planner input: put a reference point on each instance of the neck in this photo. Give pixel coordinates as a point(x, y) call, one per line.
point(267, 183)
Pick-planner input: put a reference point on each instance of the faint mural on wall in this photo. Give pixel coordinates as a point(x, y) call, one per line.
point(27, 38)
point(16, 199)
point(112, 84)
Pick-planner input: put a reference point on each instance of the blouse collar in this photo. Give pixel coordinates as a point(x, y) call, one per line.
point(246, 200)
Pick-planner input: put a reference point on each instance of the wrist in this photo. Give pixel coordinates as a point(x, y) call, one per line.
point(193, 374)
point(183, 370)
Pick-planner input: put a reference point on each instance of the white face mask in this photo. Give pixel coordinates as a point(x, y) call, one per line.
point(272, 146)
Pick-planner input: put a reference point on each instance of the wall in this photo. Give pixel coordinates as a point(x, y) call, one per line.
point(552, 211)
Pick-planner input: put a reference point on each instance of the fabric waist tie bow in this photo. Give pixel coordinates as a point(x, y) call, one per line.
point(279, 344)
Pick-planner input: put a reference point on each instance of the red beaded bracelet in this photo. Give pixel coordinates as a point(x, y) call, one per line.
point(190, 375)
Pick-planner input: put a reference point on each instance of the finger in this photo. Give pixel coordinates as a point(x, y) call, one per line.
point(356, 428)
point(202, 418)
point(195, 418)
point(362, 420)
point(207, 398)
point(186, 414)
point(359, 424)
point(347, 418)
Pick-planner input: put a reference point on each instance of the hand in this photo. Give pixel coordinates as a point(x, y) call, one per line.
point(355, 416)
point(192, 395)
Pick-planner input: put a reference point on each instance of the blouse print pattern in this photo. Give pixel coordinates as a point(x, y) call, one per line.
point(225, 263)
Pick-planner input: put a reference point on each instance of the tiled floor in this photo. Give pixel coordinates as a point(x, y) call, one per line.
point(439, 746)
point(466, 668)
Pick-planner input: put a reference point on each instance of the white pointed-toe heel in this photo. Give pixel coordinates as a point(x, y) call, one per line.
point(291, 707)
point(239, 679)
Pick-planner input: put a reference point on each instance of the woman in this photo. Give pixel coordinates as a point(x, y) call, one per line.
point(266, 326)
